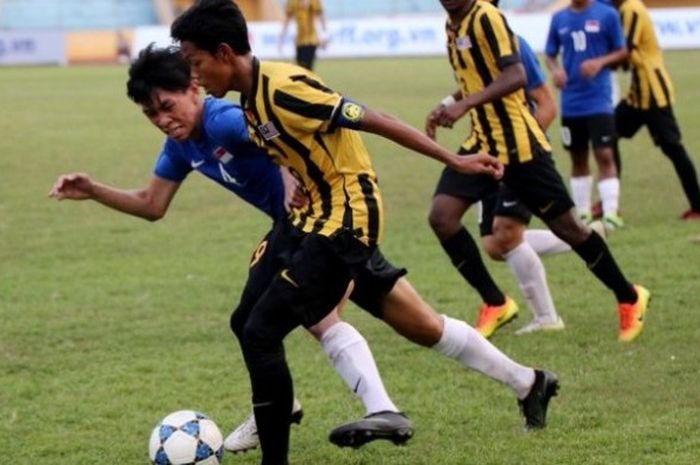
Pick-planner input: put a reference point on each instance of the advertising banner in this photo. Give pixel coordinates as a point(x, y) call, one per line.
point(32, 47)
point(677, 28)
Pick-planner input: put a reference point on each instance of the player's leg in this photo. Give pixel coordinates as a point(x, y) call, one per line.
point(307, 289)
point(601, 129)
point(453, 196)
point(539, 185)
point(666, 134)
point(352, 359)
point(502, 228)
point(574, 137)
point(410, 316)
point(306, 55)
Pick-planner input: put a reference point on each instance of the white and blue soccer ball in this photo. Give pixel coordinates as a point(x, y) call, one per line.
point(186, 437)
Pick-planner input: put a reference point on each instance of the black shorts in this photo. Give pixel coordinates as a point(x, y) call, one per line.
point(374, 282)
point(536, 183)
point(578, 132)
point(310, 270)
point(661, 123)
point(503, 203)
point(306, 55)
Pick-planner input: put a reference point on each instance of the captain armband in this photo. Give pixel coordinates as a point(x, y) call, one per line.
point(349, 114)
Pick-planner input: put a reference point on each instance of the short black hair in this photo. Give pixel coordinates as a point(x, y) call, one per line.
point(209, 23)
point(157, 68)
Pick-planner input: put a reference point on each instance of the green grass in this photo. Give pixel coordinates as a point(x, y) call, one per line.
point(109, 322)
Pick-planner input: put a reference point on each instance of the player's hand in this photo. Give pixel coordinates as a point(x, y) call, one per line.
point(431, 121)
point(590, 68)
point(451, 113)
point(479, 163)
point(74, 186)
point(294, 194)
point(560, 78)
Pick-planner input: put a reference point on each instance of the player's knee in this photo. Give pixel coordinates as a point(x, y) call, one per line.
point(444, 224)
point(672, 149)
point(492, 247)
point(237, 322)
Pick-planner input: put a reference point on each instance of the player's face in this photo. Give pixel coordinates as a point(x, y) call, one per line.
point(177, 113)
point(213, 71)
point(455, 6)
point(580, 3)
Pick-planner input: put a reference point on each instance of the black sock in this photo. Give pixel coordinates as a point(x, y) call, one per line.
point(600, 261)
point(272, 403)
point(465, 256)
point(685, 171)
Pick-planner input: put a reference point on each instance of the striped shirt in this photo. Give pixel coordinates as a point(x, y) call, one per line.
point(479, 48)
point(292, 114)
point(651, 84)
point(305, 12)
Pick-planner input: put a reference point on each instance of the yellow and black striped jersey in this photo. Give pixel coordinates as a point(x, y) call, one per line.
point(305, 12)
point(479, 47)
point(651, 84)
point(292, 114)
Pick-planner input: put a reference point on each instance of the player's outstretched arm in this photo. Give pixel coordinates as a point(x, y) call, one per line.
point(150, 202)
point(396, 130)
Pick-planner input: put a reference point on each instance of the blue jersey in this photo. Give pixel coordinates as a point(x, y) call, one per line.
point(533, 70)
point(582, 35)
point(606, 2)
point(226, 155)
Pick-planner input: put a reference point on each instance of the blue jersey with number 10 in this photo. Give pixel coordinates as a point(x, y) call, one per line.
point(225, 154)
point(580, 36)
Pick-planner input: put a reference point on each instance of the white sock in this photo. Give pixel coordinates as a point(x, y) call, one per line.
point(353, 360)
point(545, 242)
point(581, 188)
point(464, 344)
point(609, 191)
point(529, 271)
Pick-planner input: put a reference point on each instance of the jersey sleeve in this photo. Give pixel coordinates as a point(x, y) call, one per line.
point(310, 105)
point(170, 164)
point(552, 45)
point(499, 38)
point(535, 76)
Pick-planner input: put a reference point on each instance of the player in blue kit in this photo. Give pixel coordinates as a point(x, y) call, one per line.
point(209, 136)
point(589, 37)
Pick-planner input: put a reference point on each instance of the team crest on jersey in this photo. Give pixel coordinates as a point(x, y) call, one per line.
point(592, 25)
point(352, 112)
point(268, 130)
point(463, 43)
point(222, 155)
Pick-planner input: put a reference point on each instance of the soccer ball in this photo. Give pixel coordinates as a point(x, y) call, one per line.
point(186, 437)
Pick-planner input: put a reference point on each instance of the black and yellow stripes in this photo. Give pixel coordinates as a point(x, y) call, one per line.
point(305, 12)
point(651, 84)
point(290, 113)
point(479, 48)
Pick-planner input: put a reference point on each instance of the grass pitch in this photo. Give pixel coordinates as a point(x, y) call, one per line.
point(109, 322)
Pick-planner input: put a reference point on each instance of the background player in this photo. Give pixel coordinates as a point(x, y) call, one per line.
point(589, 37)
point(485, 61)
point(305, 14)
point(650, 99)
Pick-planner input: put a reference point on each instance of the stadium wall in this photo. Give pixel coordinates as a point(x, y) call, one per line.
point(677, 28)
